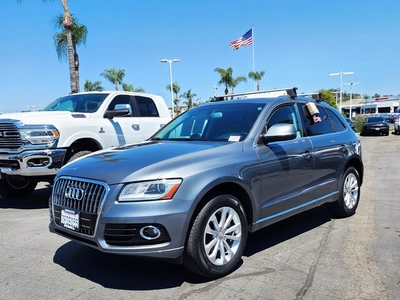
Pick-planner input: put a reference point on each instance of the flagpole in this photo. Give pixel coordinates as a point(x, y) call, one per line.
point(252, 32)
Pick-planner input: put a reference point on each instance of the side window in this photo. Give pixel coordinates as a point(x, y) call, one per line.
point(285, 114)
point(321, 125)
point(337, 124)
point(146, 106)
point(124, 100)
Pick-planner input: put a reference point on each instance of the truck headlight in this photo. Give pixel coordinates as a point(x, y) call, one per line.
point(150, 190)
point(39, 134)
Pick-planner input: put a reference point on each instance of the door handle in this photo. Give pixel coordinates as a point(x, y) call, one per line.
point(307, 155)
point(136, 127)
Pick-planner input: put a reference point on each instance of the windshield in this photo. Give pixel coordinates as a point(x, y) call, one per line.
point(375, 119)
point(77, 103)
point(230, 123)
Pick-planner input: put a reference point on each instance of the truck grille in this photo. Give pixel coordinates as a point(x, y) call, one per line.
point(80, 196)
point(9, 136)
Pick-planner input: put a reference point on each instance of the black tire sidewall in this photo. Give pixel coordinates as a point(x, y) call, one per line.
point(208, 269)
point(7, 190)
point(343, 210)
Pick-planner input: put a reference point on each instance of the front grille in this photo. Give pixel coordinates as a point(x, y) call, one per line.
point(9, 136)
point(80, 196)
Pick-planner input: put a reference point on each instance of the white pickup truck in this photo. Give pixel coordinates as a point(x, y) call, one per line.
point(35, 145)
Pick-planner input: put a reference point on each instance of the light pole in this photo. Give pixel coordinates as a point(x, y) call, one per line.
point(170, 61)
point(351, 93)
point(341, 73)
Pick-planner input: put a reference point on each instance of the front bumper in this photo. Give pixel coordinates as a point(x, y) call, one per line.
point(32, 163)
point(170, 216)
point(378, 129)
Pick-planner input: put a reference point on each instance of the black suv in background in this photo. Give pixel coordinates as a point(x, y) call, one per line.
point(375, 125)
point(193, 191)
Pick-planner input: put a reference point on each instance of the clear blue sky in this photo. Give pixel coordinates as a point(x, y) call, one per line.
point(297, 43)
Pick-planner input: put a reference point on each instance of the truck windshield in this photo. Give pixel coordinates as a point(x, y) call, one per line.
point(228, 123)
point(77, 103)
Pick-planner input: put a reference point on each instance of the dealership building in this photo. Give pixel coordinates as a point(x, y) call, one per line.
point(385, 104)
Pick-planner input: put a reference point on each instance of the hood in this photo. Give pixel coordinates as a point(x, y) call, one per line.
point(150, 160)
point(42, 117)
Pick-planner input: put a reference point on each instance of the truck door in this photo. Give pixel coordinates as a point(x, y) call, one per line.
point(127, 129)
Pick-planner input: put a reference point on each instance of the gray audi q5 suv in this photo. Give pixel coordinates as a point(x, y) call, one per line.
point(193, 192)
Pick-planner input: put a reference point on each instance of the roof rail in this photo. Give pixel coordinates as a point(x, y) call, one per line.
point(292, 92)
point(316, 96)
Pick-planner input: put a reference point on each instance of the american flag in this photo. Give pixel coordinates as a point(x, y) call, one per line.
point(245, 40)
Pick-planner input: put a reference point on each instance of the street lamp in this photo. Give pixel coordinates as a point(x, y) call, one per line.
point(170, 61)
point(341, 73)
point(351, 93)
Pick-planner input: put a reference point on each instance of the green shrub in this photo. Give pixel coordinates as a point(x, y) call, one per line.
point(358, 123)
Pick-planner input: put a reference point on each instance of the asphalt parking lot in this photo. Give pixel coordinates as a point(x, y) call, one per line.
point(309, 256)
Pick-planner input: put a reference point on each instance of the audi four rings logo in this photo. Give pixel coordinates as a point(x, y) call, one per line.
point(74, 193)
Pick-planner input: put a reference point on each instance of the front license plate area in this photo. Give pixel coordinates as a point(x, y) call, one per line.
point(70, 219)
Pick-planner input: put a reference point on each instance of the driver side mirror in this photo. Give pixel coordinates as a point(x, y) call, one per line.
point(279, 132)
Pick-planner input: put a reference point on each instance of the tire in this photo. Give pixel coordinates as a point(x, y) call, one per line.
point(79, 154)
point(349, 195)
point(16, 188)
point(203, 254)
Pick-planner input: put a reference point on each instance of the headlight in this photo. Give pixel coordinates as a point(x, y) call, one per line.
point(39, 134)
point(150, 190)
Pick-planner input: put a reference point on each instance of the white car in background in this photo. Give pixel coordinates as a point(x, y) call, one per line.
point(396, 125)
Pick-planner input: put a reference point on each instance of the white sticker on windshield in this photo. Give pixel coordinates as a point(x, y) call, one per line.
point(234, 138)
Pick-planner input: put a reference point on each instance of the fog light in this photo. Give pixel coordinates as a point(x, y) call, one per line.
point(38, 162)
point(150, 232)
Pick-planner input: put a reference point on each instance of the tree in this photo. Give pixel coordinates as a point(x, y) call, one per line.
point(189, 98)
point(129, 88)
point(328, 97)
point(67, 23)
point(175, 89)
point(226, 78)
point(257, 76)
point(114, 76)
point(93, 86)
point(236, 82)
point(79, 34)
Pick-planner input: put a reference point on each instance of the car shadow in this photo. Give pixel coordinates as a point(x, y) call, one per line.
point(131, 273)
point(39, 198)
point(285, 230)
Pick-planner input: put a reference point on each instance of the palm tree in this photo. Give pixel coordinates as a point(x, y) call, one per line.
point(114, 76)
point(67, 23)
point(79, 34)
point(93, 86)
point(226, 78)
point(129, 88)
point(257, 76)
point(189, 97)
point(175, 89)
point(236, 82)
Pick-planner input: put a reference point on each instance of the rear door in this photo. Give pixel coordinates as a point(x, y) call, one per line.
point(330, 139)
point(150, 119)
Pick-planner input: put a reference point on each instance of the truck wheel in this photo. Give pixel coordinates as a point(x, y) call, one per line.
point(79, 154)
point(217, 238)
point(16, 188)
point(349, 195)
